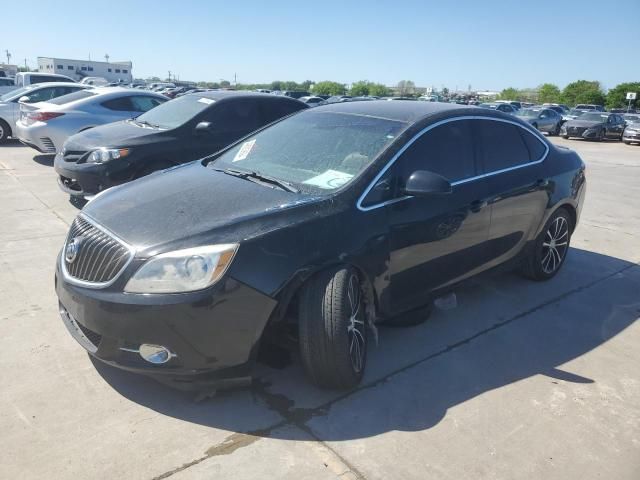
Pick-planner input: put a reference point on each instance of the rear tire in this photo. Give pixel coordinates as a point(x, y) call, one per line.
point(5, 131)
point(332, 329)
point(550, 248)
point(556, 131)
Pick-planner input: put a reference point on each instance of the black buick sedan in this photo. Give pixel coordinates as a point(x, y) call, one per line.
point(322, 224)
point(175, 132)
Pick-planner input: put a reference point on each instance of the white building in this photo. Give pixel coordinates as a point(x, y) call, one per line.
point(79, 69)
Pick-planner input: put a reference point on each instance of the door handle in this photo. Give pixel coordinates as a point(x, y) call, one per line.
point(477, 205)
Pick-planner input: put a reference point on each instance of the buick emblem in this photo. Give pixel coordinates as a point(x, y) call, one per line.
point(72, 249)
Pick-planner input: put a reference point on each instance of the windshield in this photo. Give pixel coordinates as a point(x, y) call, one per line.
point(72, 97)
point(594, 117)
point(15, 94)
point(528, 113)
point(315, 152)
point(632, 118)
point(576, 113)
point(176, 112)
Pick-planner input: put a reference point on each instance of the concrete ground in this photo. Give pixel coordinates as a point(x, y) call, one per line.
point(521, 380)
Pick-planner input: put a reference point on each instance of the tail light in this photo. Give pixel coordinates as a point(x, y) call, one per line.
point(43, 116)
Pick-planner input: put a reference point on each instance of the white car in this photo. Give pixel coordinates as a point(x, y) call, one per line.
point(24, 79)
point(39, 92)
point(48, 126)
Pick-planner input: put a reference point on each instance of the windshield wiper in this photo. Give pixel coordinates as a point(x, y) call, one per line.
point(252, 175)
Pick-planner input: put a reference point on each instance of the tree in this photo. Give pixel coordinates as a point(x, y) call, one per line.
point(360, 89)
point(225, 83)
point(617, 96)
point(583, 91)
point(406, 87)
point(153, 79)
point(445, 92)
point(328, 88)
point(548, 93)
point(276, 85)
point(306, 85)
point(510, 94)
point(379, 90)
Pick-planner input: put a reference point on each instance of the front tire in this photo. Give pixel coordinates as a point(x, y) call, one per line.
point(5, 131)
point(332, 329)
point(550, 248)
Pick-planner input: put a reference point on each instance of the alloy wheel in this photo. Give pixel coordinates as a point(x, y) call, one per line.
point(555, 245)
point(1, 132)
point(356, 325)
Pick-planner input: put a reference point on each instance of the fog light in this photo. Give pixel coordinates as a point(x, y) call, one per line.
point(155, 353)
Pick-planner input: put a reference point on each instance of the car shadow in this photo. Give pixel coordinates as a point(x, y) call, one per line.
point(506, 329)
point(44, 159)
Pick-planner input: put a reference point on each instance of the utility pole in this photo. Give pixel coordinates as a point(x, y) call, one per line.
point(169, 75)
point(106, 57)
point(8, 56)
point(235, 79)
point(25, 64)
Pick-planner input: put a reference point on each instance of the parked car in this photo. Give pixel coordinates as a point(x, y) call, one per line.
point(589, 107)
point(572, 114)
point(7, 84)
point(501, 107)
point(24, 79)
point(312, 101)
point(632, 130)
point(10, 103)
point(295, 94)
point(544, 119)
point(338, 98)
point(595, 126)
point(48, 127)
point(178, 131)
point(95, 81)
point(514, 104)
point(178, 275)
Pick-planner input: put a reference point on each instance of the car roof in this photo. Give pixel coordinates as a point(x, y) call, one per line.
point(409, 112)
point(56, 84)
point(230, 94)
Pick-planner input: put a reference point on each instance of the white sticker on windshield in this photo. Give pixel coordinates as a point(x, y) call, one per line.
point(244, 151)
point(208, 101)
point(330, 179)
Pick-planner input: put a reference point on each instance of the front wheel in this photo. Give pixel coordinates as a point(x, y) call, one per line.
point(332, 329)
point(550, 248)
point(5, 131)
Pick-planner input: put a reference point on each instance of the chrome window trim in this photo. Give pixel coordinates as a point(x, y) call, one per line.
point(96, 285)
point(535, 133)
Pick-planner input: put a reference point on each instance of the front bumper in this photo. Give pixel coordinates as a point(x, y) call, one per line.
point(214, 334)
point(631, 137)
point(89, 179)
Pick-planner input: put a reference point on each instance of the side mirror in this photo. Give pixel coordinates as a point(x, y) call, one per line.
point(422, 183)
point(204, 128)
point(24, 99)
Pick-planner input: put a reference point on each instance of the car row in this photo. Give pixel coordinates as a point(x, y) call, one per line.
point(184, 274)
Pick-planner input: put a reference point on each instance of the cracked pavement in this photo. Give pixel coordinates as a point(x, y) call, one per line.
point(521, 380)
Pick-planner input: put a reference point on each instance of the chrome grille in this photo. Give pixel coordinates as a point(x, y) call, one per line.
point(99, 257)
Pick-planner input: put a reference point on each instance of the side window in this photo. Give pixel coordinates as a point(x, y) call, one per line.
point(447, 150)
point(503, 145)
point(144, 104)
point(41, 95)
point(273, 110)
point(121, 104)
point(235, 117)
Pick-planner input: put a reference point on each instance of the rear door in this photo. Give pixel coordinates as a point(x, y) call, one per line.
point(511, 159)
point(440, 239)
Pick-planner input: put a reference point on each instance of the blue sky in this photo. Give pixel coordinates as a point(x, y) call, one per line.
point(490, 44)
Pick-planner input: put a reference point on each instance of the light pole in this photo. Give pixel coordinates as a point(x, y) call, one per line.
point(8, 56)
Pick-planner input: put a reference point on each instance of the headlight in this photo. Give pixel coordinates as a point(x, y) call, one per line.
point(103, 155)
point(182, 270)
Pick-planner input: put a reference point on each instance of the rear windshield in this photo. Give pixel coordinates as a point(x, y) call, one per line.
point(595, 117)
point(315, 152)
point(528, 113)
point(72, 97)
point(176, 112)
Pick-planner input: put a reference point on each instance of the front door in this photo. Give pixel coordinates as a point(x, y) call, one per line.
point(440, 239)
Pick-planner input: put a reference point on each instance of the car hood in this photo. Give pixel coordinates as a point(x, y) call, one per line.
point(583, 123)
point(117, 134)
point(191, 203)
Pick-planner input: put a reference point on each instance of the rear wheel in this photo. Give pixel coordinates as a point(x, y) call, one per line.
point(332, 329)
point(601, 136)
point(550, 248)
point(556, 130)
point(5, 131)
